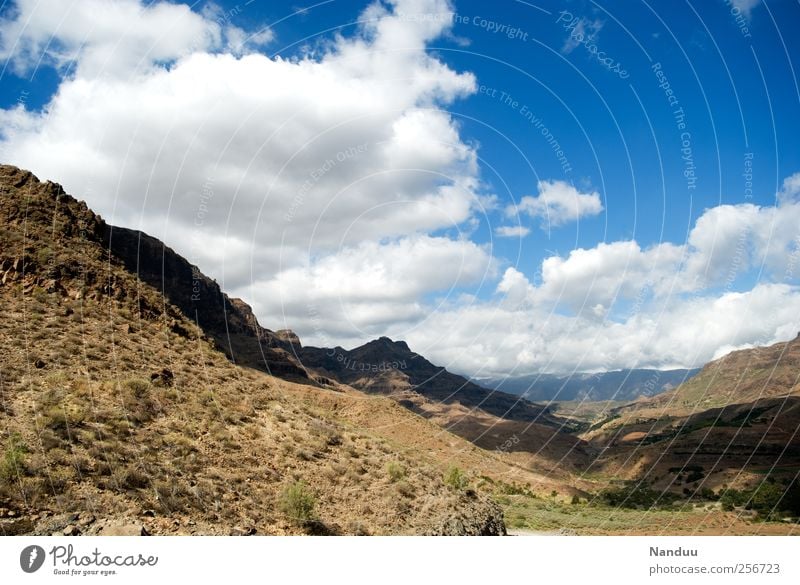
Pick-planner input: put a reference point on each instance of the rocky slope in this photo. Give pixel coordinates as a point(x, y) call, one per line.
point(488, 418)
point(735, 421)
point(230, 322)
point(123, 409)
point(738, 377)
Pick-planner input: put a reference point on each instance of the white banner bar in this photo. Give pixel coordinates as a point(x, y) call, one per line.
point(371, 560)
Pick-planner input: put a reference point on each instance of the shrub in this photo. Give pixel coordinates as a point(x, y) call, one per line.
point(137, 387)
point(634, 495)
point(130, 478)
point(514, 489)
point(13, 462)
point(396, 471)
point(297, 503)
point(455, 479)
point(707, 494)
point(171, 495)
point(326, 431)
point(138, 401)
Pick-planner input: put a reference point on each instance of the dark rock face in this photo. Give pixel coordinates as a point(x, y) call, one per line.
point(363, 366)
point(230, 322)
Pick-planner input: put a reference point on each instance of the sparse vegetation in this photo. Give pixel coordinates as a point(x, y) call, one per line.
point(13, 462)
point(770, 499)
point(297, 503)
point(117, 404)
point(635, 495)
point(456, 479)
point(395, 470)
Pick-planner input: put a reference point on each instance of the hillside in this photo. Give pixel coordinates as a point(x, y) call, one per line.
point(137, 397)
point(121, 413)
point(229, 322)
point(738, 377)
point(488, 418)
point(735, 421)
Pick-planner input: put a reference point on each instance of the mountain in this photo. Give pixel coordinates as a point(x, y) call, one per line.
point(386, 366)
point(741, 376)
point(620, 385)
point(129, 407)
point(488, 418)
point(229, 322)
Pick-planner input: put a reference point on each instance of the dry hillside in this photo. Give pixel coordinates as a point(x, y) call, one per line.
point(120, 413)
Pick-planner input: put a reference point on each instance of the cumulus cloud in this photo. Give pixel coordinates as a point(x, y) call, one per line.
point(112, 38)
point(511, 231)
point(361, 290)
point(495, 339)
point(790, 191)
point(558, 203)
point(284, 158)
point(725, 243)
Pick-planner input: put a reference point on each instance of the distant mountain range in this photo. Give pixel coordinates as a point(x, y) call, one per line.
point(622, 385)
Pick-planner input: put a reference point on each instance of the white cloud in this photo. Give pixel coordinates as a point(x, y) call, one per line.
point(111, 38)
point(495, 339)
point(601, 275)
point(558, 203)
point(725, 243)
point(728, 240)
point(511, 231)
point(300, 156)
point(745, 6)
point(359, 291)
point(319, 189)
point(790, 190)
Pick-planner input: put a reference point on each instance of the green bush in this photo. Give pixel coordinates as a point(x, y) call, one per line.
point(137, 387)
point(13, 462)
point(455, 479)
point(770, 499)
point(396, 471)
point(514, 489)
point(297, 503)
point(634, 495)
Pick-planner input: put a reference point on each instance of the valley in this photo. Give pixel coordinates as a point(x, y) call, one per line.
point(137, 397)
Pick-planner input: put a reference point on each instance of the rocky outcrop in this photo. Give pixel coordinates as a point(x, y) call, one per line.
point(471, 516)
point(288, 336)
point(229, 321)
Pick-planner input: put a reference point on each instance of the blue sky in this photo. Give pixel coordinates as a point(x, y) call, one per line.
point(477, 241)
